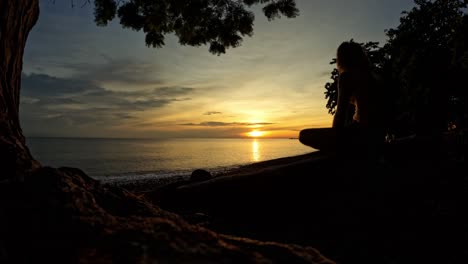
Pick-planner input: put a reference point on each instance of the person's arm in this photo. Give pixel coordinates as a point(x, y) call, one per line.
point(344, 95)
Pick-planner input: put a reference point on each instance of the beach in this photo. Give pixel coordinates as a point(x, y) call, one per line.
point(392, 212)
point(300, 209)
point(312, 207)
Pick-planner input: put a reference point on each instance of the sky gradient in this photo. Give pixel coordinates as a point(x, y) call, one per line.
point(80, 80)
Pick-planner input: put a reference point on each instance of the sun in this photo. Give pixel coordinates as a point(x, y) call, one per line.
point(255, 133)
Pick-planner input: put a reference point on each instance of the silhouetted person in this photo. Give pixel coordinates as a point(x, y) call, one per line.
point(356, 125)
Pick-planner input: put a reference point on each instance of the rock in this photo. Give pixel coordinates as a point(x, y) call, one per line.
point(200, 175)
point(63, 216)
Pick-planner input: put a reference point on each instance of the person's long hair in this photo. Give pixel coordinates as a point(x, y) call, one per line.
point(351, 56)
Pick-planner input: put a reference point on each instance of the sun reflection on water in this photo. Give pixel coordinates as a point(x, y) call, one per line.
point(255, 151)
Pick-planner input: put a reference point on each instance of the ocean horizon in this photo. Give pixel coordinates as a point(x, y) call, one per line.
point(127, 159)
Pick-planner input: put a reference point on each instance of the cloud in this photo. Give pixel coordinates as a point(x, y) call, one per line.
point(69, 103)
point(213, 113)
point(223, 124)
point(42, 85)
point(126, 71)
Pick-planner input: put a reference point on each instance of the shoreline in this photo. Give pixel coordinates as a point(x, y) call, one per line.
point(151, 184)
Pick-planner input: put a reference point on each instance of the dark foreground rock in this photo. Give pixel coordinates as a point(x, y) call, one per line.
point(63, 216)
point(412, 208)
point(199, 175)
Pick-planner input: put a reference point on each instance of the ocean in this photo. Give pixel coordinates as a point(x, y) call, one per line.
point(114, 160)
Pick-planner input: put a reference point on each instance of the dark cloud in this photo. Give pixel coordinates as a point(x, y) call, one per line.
point(171, 91)
point(71, 103)
point(288, 128)
point(223, 124)
point(213, 113)
point(50, 101)
point(124, 70)
point(154, 124)
point(64, 101)
point(42, 85)
point(164, 93)
point(125, 116)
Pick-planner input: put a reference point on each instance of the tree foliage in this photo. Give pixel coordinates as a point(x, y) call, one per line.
point(221, 24)
point(421, 64)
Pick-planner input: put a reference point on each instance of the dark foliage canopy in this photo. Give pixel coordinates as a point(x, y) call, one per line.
point(221, 24)
point(422, 65)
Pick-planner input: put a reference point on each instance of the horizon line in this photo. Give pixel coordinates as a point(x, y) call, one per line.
point(81, 137)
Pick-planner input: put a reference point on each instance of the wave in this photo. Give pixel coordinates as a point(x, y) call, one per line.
point(162, 175)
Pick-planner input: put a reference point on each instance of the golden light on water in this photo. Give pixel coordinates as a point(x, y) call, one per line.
point(256, 133)
point(255, 151)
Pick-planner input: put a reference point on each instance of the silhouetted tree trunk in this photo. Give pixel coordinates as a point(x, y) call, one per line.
point(17, 18)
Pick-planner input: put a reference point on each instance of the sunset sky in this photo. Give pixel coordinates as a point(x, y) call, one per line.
point(81, 80)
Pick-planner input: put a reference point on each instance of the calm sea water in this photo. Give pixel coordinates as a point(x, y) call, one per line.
point(126, 159)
